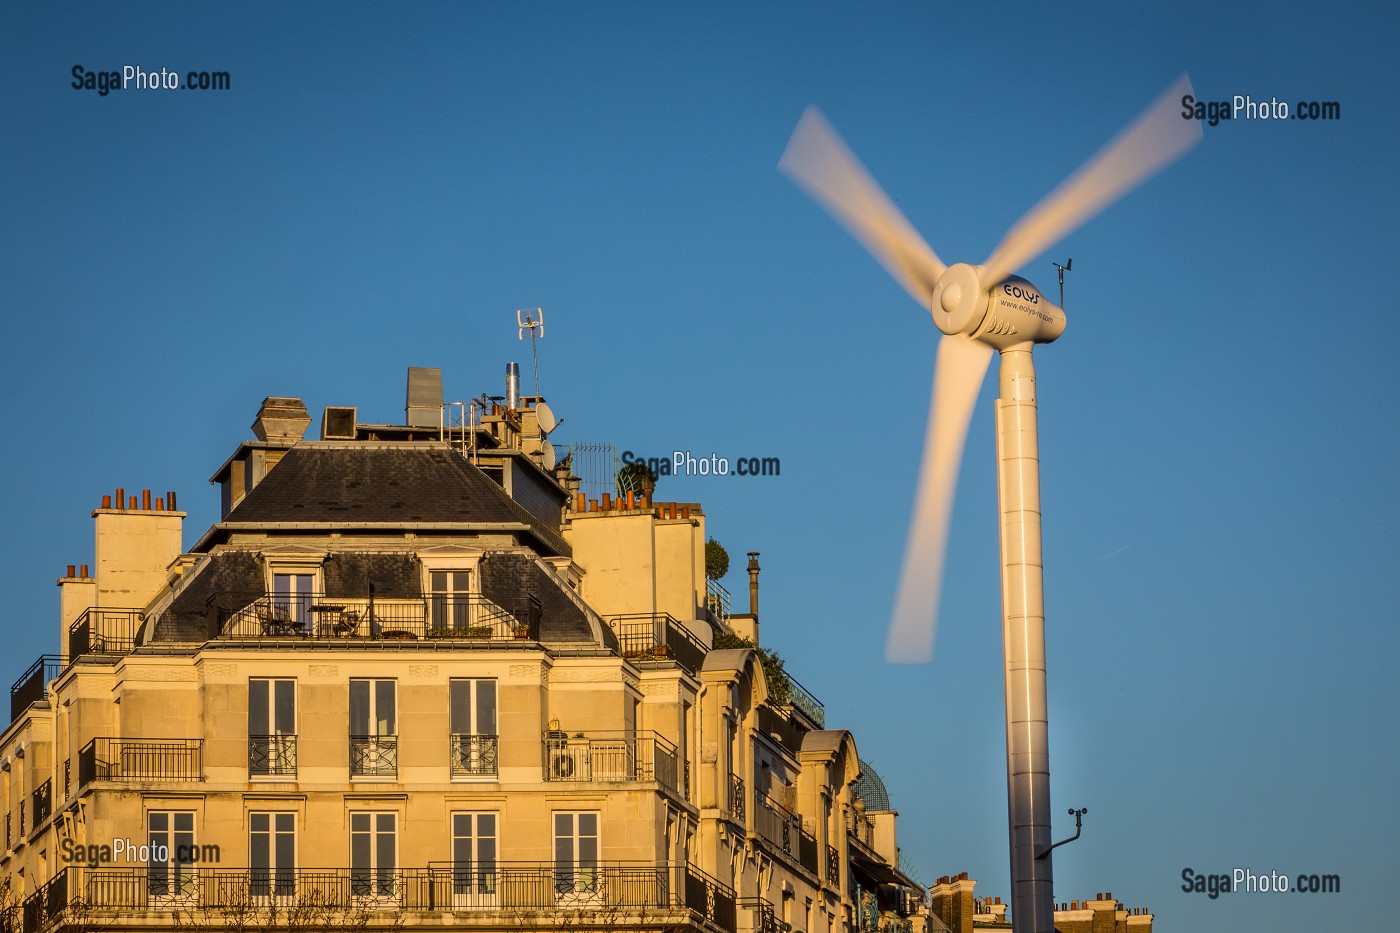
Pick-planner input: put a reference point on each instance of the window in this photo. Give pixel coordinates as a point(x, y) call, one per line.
point(272, 727)
point(291, 596)
point(576, 858)
point(473, 859)
point(374, 748)
point(373, 854)
point(170, 874)
point(450, 597)
point(473, 727)
point(272, 846)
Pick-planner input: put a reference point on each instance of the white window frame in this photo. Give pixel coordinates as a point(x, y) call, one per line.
point(180, 877)
point(450, 559)
point(373, 822)
point(273, 831)
point(471, 754)
point(577, 882)
point(480, 887)
point(270, 727)
point(373, 731)
point(297, 564)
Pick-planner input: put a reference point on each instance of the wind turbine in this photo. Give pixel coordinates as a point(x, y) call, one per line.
point(981, 309)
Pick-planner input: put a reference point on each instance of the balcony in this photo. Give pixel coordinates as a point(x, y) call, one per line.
point(374, 756)
point(622, 895)
point(782, 830)
point(468, 616)
point(802, 699)
point(473, 756)
point(272, 755)
point(33, 685)
point(736, 798)
point(765, 916)
point(42, 801)
point(104, 631)
point(657, 637)
point(140, 760)
point(615, 757)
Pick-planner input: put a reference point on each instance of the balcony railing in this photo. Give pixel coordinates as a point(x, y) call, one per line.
point(33, 685)
point(717, 599)
point(777, 824)
point(109, 759)
point(765, 917)
point(667, 894)
point(466, 616)
point(657, 637)
point(272, 755)
point(802, 698)
point(736, 797)
point(42, 799)
point(104, 631)
point(374, 755)
point(614, 757)
point(833, 865)
point(473, 755)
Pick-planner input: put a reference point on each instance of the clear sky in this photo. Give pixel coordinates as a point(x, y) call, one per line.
point(382, 186)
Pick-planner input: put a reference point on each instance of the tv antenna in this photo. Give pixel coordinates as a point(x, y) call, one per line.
point(532, 319)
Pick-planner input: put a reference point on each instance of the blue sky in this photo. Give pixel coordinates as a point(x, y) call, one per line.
point(382, 187)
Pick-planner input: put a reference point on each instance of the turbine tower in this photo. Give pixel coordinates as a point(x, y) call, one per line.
point(981, 310)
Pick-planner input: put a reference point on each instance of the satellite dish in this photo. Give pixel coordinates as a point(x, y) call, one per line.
point(547, 455)
point(546, 418)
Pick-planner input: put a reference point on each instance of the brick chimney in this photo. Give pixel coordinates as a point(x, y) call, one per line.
point(954, 902)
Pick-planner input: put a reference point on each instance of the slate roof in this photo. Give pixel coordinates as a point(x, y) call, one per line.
point(357, 483)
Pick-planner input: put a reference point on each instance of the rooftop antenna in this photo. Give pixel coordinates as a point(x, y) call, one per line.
point(1063, 269)
point(532, 319)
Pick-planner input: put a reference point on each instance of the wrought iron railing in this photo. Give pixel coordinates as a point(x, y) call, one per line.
point(33, 685)
point(374, 755)
point(319, 615)
point(833, 865)
point(765, 916)
point(612, 757)
point(776, 824)
point(109, 759)
point(802, 698)
point(657, 636)
point(104, 631)
point(272, 755)
point(736, 797)
point(43, 803)
point(676, 893)
point(473, 755)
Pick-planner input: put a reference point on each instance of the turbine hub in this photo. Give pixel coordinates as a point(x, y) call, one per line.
point(959, 303)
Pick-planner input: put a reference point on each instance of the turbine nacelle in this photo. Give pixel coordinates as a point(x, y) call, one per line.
point(1011, 312)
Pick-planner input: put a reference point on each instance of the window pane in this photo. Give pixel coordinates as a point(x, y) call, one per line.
point(257, 707)
point(384, 707)
point(359, 707)
point(286, 708)
point(486, 707)
point(460, 698)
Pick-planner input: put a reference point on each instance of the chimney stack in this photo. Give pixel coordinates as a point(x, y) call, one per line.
point(753, 584)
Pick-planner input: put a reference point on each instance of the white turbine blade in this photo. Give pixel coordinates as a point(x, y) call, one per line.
point(818, 161)
point(1151, 142)
point(957, 378)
